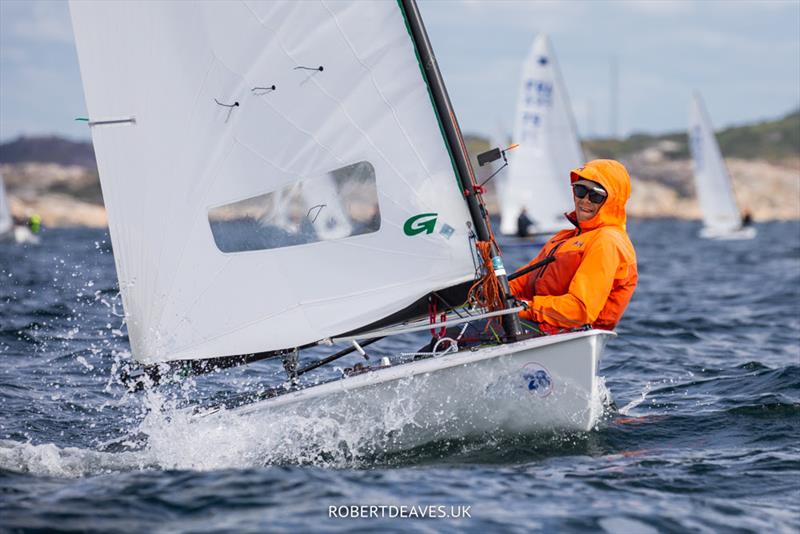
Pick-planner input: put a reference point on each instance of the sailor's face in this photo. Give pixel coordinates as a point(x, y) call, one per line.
point(585, 208)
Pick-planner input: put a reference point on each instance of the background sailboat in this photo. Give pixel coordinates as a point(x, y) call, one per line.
point(8, 230)
point(6, 222)
point(549, 148)
point(722, 218)
point(193, 162)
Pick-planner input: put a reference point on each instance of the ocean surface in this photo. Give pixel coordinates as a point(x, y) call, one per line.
point(705, 436)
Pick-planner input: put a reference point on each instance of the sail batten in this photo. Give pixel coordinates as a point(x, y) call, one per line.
point(300, 213)
point(548, 147)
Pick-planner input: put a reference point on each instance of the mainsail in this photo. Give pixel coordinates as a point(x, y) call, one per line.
point(6, 222)
point(274, 172)
point(714, 188)
point(549, 147)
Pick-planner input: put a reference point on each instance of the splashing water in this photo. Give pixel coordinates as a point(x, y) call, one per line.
point(706, 371)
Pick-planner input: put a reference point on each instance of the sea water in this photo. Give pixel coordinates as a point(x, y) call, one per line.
point(705, 437)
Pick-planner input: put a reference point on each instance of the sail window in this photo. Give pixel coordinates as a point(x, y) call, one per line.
point(339, 204)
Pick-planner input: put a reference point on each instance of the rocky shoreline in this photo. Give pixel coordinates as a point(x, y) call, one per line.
point(769, 191)
point(70, 195)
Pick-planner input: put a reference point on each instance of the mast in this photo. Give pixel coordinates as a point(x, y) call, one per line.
point(458, 151)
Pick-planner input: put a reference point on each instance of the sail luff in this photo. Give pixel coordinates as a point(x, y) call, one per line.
point(458, 150)
point(445, 114)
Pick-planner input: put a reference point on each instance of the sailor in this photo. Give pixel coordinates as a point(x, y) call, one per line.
point(747, 219)
point(594, 274)
point(523, 223)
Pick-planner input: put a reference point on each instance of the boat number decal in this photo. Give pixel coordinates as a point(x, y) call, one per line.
point(537, 379)
point(424, 222)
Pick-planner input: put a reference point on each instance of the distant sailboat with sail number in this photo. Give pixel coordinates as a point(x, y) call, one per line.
point(721, 216)
point(284, 175)
point(548, 148)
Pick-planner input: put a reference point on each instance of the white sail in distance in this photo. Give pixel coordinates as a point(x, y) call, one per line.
point(548, 148)
point(6, 221)
point(714, 187)
point(216, 183)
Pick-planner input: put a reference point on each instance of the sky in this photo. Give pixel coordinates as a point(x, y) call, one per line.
point(742, 56)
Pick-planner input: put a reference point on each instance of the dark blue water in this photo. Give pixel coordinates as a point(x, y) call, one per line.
point(706, 375)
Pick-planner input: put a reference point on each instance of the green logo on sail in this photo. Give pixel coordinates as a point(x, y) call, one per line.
point(424, 222)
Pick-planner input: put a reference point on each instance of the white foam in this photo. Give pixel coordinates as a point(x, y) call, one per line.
point(628, 408)
point(601, 401)
point(51, 460)
point(350, 429)
point(331, 435)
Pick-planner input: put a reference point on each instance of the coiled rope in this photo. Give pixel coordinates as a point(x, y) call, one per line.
point(486, 292)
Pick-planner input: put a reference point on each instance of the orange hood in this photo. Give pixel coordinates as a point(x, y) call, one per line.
point(614, 178)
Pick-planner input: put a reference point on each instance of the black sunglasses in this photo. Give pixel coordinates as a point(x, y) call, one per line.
point(581, 191)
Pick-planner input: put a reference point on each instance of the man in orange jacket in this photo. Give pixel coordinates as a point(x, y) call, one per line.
point(594, 273)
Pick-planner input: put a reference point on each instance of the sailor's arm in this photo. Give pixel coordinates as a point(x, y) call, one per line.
point(587, 294)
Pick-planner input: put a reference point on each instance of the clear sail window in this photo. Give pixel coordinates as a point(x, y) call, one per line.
point(339, 204)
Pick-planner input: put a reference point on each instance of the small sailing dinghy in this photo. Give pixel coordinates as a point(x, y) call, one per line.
point(10, 232)
point(548, 148)
point(285, 175)
point(721, 216)
point(6, 222)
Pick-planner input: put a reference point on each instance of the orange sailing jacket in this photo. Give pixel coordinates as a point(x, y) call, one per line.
point(594, 275)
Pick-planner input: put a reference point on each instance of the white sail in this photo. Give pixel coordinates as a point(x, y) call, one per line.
point(714, 189)
point(216, 184)
point(6, 222)
point(545, 130)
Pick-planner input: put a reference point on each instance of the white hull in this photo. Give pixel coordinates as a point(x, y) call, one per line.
point(465, 394)
point(748, 232)
point(20, 235)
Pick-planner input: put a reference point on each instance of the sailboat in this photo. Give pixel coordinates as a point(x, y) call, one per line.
point(548, 147)
point(194, 154)
point(6, 222)
point(722, 218)
point(8, 230)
